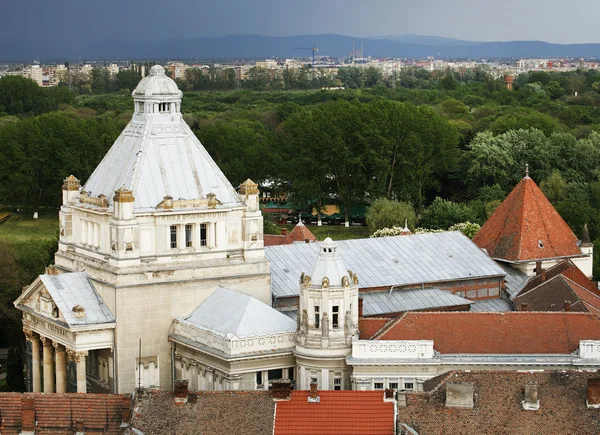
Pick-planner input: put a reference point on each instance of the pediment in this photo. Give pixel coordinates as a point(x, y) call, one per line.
point(37, 297)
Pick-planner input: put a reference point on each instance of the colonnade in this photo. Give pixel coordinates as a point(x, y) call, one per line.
point(53, 365)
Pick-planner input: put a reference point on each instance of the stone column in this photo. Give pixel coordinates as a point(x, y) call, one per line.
point(36, 375)
point(61, 367)
point(79, 358)
point(48, 365)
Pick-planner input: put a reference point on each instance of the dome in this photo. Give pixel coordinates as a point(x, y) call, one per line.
point(157, 84)
point(329, 265)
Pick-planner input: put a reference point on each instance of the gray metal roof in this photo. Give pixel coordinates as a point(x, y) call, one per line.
point(157, 156)
point(514, 280)
point(70, 289)
point(387, 261)
point(233, 314)
point(491, 305)
point(375, 303)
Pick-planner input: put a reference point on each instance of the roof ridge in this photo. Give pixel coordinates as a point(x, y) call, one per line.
point(389, 325)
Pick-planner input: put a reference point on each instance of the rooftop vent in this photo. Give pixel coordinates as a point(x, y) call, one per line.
point(531, 402)
point(459, 395)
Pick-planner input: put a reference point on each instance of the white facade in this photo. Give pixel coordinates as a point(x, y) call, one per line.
point(158, 228)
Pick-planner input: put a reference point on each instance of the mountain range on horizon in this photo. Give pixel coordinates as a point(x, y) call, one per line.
point(257, 46)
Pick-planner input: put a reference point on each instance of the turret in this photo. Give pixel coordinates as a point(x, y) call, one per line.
point(328, 316)
point(252, 220)
point(124, 231)
point(70, 189)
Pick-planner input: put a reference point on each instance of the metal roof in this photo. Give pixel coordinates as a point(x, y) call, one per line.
point(158, 155)
point(387, 261)
point(514, 280)
point(233, 314)
point(491, 305)
point(68, 290)
point(375, 303)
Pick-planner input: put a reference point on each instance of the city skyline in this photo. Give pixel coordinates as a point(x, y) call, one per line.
point(137, 20)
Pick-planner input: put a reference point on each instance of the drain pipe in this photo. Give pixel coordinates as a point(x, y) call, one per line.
point(173, 346)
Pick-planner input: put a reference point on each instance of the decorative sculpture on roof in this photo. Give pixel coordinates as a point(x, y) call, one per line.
point(306, 280)
point(325, 325)
point(325, 282)
point(302, 278)
point(355, 279)
point(345, 281)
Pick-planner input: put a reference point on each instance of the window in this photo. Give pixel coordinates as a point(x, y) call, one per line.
point(313, 380)
point(202, 234)
point(291, 373)
point(393, 385)
point(275, 374)
point(173, 236)
point(337, 383)
point(317, 317)
point(409, 384)
point(188, 236)
point(259, 378)
point(335, 316)
point(378, 385)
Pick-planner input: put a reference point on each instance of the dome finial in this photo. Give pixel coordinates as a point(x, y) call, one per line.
point(157, 70)
point(526, 170)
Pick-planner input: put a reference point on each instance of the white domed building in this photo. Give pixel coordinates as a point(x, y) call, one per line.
point(152, 233)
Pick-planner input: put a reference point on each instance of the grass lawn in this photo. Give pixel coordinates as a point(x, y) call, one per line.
point(24, 227)
point(336, 232)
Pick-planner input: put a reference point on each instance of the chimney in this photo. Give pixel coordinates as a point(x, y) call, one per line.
point(192, 397)
point(531, 402)
point(27, 414)
point(284, 231)
point(181, 391)
point(125, 408)
point(593, 393)
point(282, 389)
point(360, 307)
point(567, 305)
point(524, 306)
point(388, 394)
point(313, 394)
point(538, 267)
point(79, 427)
point(459, 395)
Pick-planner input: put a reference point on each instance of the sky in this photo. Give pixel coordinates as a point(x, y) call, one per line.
point(573, 21)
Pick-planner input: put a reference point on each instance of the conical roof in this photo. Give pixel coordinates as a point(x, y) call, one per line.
point(329, 265)
point(527, 227)
point(158, 155)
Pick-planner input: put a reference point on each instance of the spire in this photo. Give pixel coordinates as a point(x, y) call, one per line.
point(527, 170)
point(585, 236)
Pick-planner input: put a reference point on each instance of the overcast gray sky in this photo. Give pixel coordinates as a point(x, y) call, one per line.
point(482, 20)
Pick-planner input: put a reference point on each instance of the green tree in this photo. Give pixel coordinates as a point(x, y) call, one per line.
point(442, 214)
point(386, 213)
point(554, 90)
point(14, 371)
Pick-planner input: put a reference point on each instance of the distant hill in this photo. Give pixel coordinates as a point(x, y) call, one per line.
point(255, 46)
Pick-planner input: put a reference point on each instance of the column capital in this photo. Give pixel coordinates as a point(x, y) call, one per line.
point(28, 334)
point(58, 347)
point(45, 340)
point(76, 356)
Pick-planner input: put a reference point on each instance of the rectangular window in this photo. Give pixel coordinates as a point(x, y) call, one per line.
point(409, 384)
point(173, 236)
point(291, 373)
point(275, 374)
point(259, 378)
point(335, 311)
point(317, 317)
point(313, 380)
point(337, 384)
point(378, 385)
point(393, 385)
point(202, 234)
point(188, 236)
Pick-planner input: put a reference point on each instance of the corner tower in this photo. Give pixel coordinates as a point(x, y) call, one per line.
point(157, 228)
point(327, 321)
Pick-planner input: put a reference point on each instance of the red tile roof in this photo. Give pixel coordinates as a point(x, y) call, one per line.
point(518, 332)
point(566, 268)
point(337, 412)
point(213, 413)
point(552, 294)
point(299, 234)
point(369, 326)
point(497, 408)
point(58, 413)
point(526, 227)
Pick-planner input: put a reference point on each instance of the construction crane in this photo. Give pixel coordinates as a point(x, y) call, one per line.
point(313, 49)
